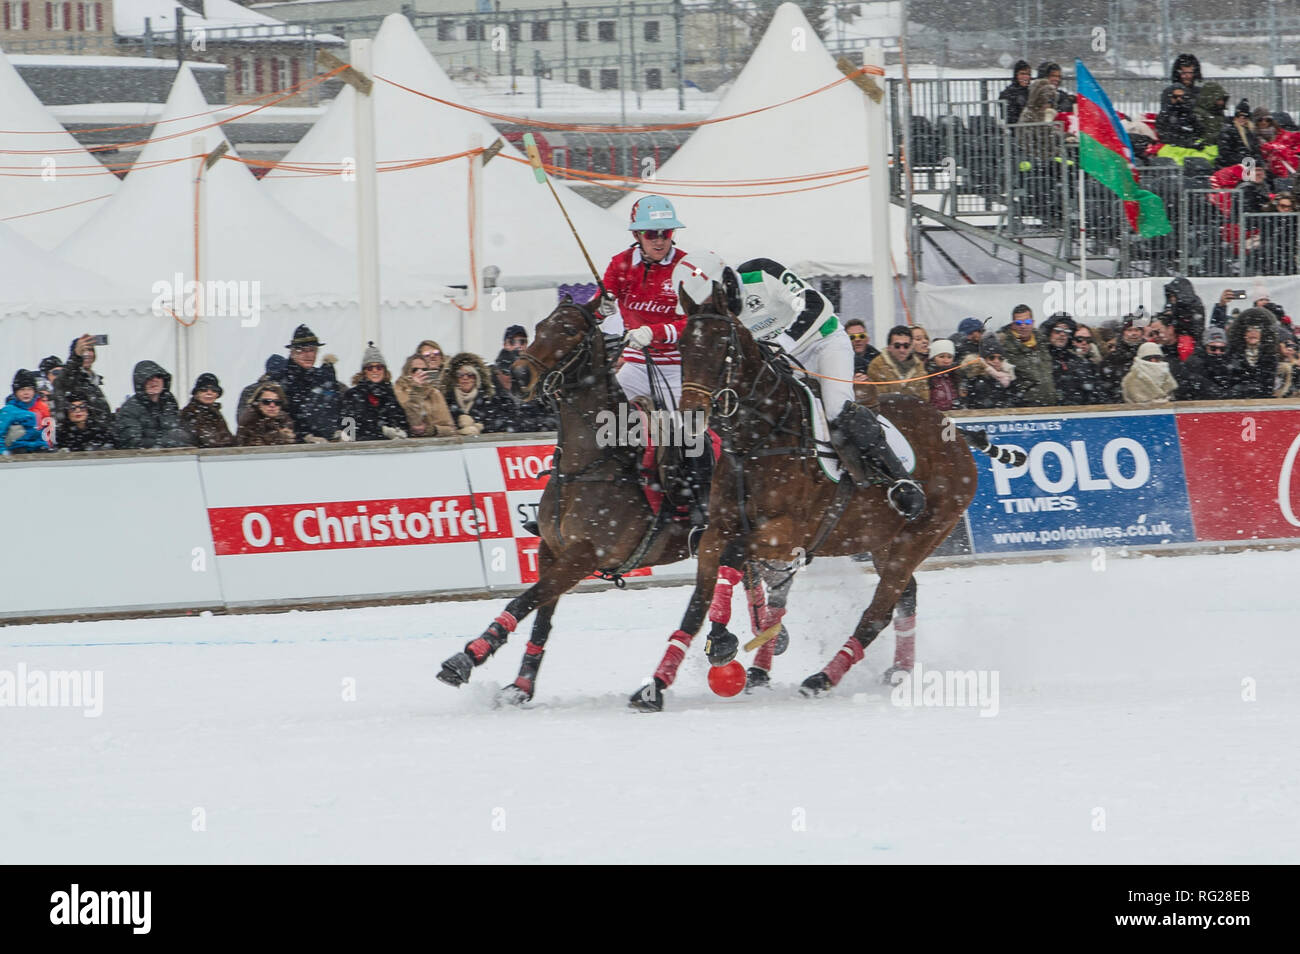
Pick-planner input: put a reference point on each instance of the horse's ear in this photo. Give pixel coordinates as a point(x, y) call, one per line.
point(719, 301)
point(688, 304)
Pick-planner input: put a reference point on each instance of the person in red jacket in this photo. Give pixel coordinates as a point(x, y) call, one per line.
point(640, 286)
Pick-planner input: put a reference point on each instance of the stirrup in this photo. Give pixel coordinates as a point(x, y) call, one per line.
point(906, 498)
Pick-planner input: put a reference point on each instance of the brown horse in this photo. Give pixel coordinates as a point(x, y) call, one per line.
point(594, 516)
point(772, 500)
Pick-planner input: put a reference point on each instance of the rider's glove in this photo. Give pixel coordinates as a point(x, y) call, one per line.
point(639, 337)
point(784, 342)
point(608, 304)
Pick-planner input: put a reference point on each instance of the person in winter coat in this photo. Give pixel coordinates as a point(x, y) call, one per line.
point(1206, 375)
point(78, 375)
point(1252, 353)
point(991, 380)
point(82, 432)
point(150, 418)
point(1185, 74)
point(264, 421)
point(371, 411)
point(864, 352)
point(20, 428)
point(1040, 103)
point(1063, 102)
point(1287, 381)
point(1177, 125)
point(1149, 380)
point(202, 417)
point(49, 371)
point(313, 392)
point(425, 407)
point(896, 365)
point(966, 340)
point(945, 393)
point(1028, 354)
point(1083, 342)
point(434, 358)
point(1123, 353)
point(1016, 94)
point(1237, 140)
point(1186, 313)
point(472, 398)
point(274, 370)
point(1072, 375)
point(1210, 103)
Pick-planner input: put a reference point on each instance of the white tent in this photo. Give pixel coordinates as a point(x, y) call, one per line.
point(43, 168)
point(423, 212)
point(815, 232)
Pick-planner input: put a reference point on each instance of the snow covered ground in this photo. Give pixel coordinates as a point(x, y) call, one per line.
point(1121, 732)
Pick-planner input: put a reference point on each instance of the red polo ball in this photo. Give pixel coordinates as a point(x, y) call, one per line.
point(728, 680)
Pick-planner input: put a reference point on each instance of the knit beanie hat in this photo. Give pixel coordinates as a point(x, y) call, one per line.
point(24, 379)
point(942, 346)
point(1148, 349)
point(991, 346)
point(207, 380)
point(1216, 335)
point(372, 356)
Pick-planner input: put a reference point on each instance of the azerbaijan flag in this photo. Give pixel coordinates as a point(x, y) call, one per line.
point(1106, 154)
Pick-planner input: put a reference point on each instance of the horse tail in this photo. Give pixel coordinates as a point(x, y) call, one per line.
point(1003, 455)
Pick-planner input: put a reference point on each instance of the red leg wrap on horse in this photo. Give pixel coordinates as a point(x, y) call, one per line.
point(905, 642)
point(524, 683)
point(678, 643)
point(720, 608)
point(849, 654)
point(507, 621)
point(770, 617)
point(480, 649)
point(763, 658)
point(532, 649)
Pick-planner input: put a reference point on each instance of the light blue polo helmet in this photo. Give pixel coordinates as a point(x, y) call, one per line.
point(653, 212)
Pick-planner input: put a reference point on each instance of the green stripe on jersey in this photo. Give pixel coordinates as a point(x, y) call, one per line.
point(750, 278)
point(829, 326)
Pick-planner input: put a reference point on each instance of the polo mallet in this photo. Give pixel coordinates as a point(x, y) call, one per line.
point(535, 160)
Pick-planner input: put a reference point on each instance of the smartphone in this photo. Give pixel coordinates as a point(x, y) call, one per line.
point(1239, 294)
point(99, 341)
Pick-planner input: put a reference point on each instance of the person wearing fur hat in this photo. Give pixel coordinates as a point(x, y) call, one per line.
point(149, 419)
point(1206, 375)
point(371, 411)
point(944, 391)
point(264, 421)
point(202, 417)
point(20, 418)
point(313, 392)
point(78, 375)
point(425, 407)
point(471, 396)
point(1149, 380)
point(1252, 353)
point(991, 380)
point(82, 432)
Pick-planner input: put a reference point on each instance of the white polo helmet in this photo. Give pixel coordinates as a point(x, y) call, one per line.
point(697, 272)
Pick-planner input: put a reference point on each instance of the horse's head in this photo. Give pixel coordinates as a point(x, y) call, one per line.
point(560, 355)
point(711, 353)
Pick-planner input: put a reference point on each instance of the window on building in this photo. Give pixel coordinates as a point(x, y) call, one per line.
point(446, 30)
point(651, 31)
point(55, 16)
point(654, 79)
point(281, 68)
point(90, 16)
point(474, 30)
point(243, 74)
point(515, 29)
point(605, 31)
point(541, 30)
point(582, 31)
point(609, 79)
point(584, 78)
point(17, 14)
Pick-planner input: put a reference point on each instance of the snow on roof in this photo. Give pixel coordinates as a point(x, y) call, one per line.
point(144, 234)
point(62, 60)
point(821, 232)
point(42, 167)
point(423, 211)
point(129, 17)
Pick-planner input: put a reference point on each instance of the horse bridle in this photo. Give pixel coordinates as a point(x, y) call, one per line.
point(554, 381)
point(725, 402)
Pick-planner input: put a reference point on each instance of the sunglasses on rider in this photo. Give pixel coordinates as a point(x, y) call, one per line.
point(655, 234)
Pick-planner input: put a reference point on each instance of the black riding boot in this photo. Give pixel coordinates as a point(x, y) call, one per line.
point(691, 479)
point(860, 441)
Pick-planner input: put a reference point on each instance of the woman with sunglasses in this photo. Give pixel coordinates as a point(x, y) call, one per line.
point(371, 411)
point(639, 285)
point(264, 420)
point(1206, 374)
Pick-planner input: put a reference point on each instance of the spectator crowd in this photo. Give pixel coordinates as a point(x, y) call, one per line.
point(62, 405)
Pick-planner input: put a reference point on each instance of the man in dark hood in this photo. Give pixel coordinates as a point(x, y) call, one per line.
point(1016, 94)
point(1206, 375)
point(1186, 313)
point(1211, 100)
point(150, 418)
point(1186, 72)
point(1177, 125)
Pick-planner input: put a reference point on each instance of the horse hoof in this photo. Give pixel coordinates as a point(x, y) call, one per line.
point(514, 695)
point(757, 679)
point(456, 670)
point(721, 646)
point(815, 685)
point(782, 641)
point(888, 676)
point(649, 698)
